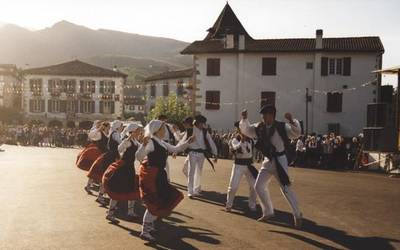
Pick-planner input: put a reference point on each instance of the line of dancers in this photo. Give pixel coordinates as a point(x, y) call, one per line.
point(114, 147)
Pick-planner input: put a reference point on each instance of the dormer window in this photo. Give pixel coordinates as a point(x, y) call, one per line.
point(229, 41)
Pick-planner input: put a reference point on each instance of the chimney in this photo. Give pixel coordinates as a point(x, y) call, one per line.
point(242, 42)
point(318, 39)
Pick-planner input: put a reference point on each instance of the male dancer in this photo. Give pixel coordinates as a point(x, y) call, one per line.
point(188, 126)
point(242, 146)
point(273, 141)
point(170, 137)
point(201, 148)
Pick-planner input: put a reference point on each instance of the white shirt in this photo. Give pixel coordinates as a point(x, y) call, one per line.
point(143, 151)
point(167, 133)
point(125, 144)
point(199, 143)
point(245, 146)
point(293, 131)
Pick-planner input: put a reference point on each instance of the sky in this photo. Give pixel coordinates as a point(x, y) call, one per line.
point(188, 20)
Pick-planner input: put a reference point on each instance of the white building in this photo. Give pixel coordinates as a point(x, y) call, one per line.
point(236, 71)
point(10, 87)
point(178, 82)
point(73, 93)
point(134, 106)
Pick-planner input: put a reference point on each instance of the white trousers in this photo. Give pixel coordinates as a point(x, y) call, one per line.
point(267, 171)
point(186, 166)
point(167, 170)
point(113, 207)
point(148, 222)
point(196, 161)
point(237, 172)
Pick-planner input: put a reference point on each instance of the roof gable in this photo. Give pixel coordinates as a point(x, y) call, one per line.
point(75, 68)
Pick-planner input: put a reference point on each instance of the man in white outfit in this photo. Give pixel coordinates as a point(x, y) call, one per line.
point(273, 141)
point(200, 149)
point(242, 146)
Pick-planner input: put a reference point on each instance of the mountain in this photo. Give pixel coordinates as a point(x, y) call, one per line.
point(64, 41)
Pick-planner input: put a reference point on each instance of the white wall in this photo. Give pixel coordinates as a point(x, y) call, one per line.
point(119, 82)
point(241, 81)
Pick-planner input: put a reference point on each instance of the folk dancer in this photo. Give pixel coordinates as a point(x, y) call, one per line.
point(273, 141)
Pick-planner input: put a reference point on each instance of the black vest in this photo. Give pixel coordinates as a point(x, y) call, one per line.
point(102, 143)
point(129, 154)
point(112, 144)
point(157, 158)
point(264, 141)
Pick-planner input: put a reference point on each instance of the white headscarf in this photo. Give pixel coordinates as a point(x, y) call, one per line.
point(129, 128)
point(94, 124)
point(152, 127)
point(115, 125)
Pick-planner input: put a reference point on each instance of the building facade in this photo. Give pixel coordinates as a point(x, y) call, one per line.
point(73, 93)
point(235, 72)
point(10, 87)
point(178, 82)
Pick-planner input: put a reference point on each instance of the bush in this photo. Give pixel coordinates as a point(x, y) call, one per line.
point(175, 109)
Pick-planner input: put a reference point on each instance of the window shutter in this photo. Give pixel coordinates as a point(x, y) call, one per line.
point(81, 86)
point(93, 107)
point(101, 107)
point(63, 106)
point(347, 66)
point(324, 66)
point(81, 106)
point(49, 106)
point(92, 86)
point(165, 88)
point(42, 106)
point(212, 100)
point(76, 106)
point(334, 102)
point(51, 86)
point(268, 98)
point(269, 66)
point(112, 107)
point(213, 66)
point(113, 87)
point(153, 90)
point(101, 87)
point(31, 106)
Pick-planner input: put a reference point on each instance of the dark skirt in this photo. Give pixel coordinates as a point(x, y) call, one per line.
point(88, 156)
point(121, 182)
point(158, 195)
point(100, 165)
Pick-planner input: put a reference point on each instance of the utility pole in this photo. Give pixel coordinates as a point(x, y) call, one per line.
point(307, 97)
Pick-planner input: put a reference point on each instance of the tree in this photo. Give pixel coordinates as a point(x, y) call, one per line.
point(174, 108)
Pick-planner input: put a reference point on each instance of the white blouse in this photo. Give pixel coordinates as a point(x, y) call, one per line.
point(143, 151)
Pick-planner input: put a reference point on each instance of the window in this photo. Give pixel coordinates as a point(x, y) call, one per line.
point(309, 65)
point(35, 86)
point(69, 85)
point(331, 66)
point(336, 66)
point(107, 107)
point(269, 66)
point(36, 105)
point(54, 86)
point(179, 88)
point(153, 90)
point(71, 106)
point(334, 102)
point(165, 89)
point(53, 106)
point(132, 107)
point(87, 106)
point(107, 87)
point(339, 66)
point(87, 86)
point(213, 66)
point(141, 107)
point(212, 100)
point(268, 98)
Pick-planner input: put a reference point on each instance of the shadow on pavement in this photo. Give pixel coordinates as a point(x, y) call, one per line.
point(340, 237)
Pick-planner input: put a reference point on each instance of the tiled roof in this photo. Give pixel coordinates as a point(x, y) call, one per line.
point(8, 69)
point(75, 68)
point(171, 75)
point(348, 44)
point(134, 101)
point(228, 23)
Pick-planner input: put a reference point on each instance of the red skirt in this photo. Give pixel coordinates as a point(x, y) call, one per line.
point(87, 156)
point(160, 201)
point(120, 181)
point(100, 165)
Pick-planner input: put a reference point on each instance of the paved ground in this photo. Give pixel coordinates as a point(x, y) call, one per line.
point(43, 206)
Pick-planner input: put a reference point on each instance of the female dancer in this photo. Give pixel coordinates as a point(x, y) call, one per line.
point(158, 195)
point(120, 181)
point(100, 165)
